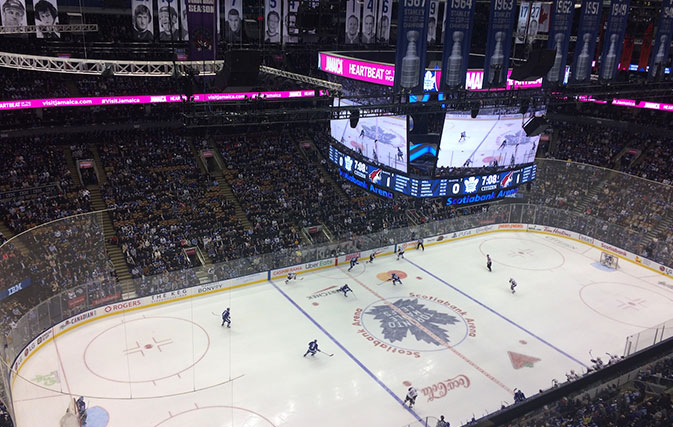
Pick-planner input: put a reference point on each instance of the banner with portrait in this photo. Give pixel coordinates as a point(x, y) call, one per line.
point(353, 18)
point(46, 15)
point(233, 21)
point(499, 43)
point(585, 47)
point(13, 13)
point(432, 22)
point(662, 42)
point(368, 22)
point(385, 14)
point(272, 14)
point(412, 40)
point(559, 39)
point(613, 39)
point(143, 20)
point(529, 22)
point(290, 30)
point(168, 19)
point(184, 23)
point(458, 23)
point(202, 17)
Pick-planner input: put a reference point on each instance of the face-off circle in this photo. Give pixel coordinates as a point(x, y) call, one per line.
point(521, 254)
point(230, 416)
point(146, 349)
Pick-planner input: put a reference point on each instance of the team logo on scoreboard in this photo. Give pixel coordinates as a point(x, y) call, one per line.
point(471, 184)
point(507, 180)
point(375, 176)
point(348, 163)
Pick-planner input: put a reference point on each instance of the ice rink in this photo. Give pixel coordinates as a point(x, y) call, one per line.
point(482, 143)
point(453, 330)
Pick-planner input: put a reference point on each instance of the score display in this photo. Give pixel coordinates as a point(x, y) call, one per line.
point(438, 187)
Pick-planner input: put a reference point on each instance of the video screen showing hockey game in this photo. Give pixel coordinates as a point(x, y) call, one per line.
point(380, 139)
point(494, 138)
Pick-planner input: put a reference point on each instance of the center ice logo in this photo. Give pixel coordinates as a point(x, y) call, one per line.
point(378, 133)
point(404, 318)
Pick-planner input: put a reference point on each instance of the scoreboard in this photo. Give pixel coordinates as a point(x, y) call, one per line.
point(439, 187)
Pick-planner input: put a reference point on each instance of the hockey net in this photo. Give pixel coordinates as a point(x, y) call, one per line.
point(71, 417)
point(609, 260)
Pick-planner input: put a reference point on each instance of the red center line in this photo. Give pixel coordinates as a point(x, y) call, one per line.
point(438, 339)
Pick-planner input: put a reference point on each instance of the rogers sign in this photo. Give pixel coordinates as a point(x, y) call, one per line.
point(122, 306)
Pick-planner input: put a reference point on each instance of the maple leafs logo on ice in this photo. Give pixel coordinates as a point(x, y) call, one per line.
point(471, 184)
point(396, 325)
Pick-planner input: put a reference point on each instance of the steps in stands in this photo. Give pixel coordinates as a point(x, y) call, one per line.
point(102, 175)
point(71, 166)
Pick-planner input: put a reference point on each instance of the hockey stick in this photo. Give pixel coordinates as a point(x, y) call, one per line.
point(330, 355)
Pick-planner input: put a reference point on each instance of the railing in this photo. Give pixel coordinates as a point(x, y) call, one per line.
point(648, 337)
point(79, 240)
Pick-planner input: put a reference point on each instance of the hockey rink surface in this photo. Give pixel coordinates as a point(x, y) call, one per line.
point(453, 330)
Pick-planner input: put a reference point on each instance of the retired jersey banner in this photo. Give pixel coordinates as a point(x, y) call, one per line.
point(412, 37)
point(143, 20)
point(613, 38)
point(233, 13)
point(46, 15)
point(385, 14)
point(559, 38)
point(499, 43)
point(201, 17)
point(585, 47)
point(168, 21)
point(290, 31)
point(369, 22)
point(353, 17)
point(458, 19)
point(662, 41)
point(432, 21)
point(522, 23)
point(272, 12)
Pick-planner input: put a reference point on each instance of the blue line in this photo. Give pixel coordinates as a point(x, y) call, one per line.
point(482, 141)
point(360, 364)
point(496, 313)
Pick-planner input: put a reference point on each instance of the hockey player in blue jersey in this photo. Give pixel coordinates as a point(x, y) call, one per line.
point(226, 318)
point(345, 289)
point(312, 348)
point(395, 278)
point(400, 252)
point(354, 262)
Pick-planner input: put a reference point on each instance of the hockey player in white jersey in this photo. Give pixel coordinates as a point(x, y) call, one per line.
point(290, 276)
point(512, 284)
point(400, 252)
point(411, 397)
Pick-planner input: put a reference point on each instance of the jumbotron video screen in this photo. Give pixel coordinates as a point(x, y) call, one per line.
point(382, 140)
point(493, 138)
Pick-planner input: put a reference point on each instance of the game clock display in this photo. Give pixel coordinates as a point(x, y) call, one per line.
point(466, 185)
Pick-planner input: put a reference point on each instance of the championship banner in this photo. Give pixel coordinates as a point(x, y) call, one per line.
point(201, 17)
point(432, 22)
point(662, 41)
point(46, 14)
point(559, 38)
point(290, 31)
point(13, 13)
point(184, 25)
point(499, 43)
point(369, 22)
point(585, 47)
point(613, 39)
point(233, 12)
point(385, 14)
point(168, 21)
point(458, 19)
point(412, 37)
point(272, 13)
point(353, 16)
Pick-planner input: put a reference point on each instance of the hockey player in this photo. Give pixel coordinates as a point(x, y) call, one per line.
point(81, 408)
point(371, 257)
point(312, 348)
point(354, 262)
point(420, 244)
point(396, 278)
point(512, 284)
point(488, 262)
point(400, 155)
point(226, 318)
point(411, 397)
point(400, 252)
point(290, 276)
point(463, 135)
point(345, 289)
